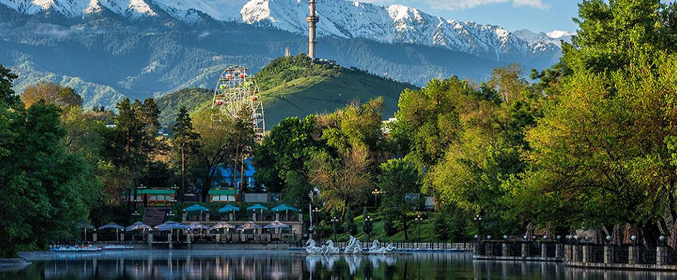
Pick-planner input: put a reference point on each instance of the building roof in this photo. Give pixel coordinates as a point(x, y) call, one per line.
point(157, 191)
point(223, 192)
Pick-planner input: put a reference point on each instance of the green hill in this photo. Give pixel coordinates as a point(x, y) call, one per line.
point(191, 98)
point(295, 86)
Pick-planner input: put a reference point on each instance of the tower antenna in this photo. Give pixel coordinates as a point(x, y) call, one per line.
point(312, 24)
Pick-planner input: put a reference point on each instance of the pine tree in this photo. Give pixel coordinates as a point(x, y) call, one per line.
point(185, 143)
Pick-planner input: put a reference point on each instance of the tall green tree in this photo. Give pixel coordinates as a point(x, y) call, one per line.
point(355, 145)
point(7, 95)
point(186, 143)
point(401, 184)
point(281, 158)
point(45, 190)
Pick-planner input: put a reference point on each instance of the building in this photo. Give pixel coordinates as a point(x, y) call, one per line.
point(156, 196)
point(224, 195)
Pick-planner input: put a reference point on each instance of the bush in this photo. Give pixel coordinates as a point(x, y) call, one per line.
point(389, 227)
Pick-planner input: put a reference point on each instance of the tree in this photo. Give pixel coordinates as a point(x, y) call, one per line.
point(281, 158)
point(599, 152)
point(344, 180)
point(217, 147)
point(186, 143)
point(45, 190)
point(350, 226)
point(7, 95)
point(354, 145)
point(401, 185)
point(62, 97)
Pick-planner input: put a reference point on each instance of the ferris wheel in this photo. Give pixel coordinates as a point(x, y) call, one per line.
point(236, 90)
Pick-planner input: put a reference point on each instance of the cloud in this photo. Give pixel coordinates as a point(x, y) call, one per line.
point(531, 3)
point(454, 5)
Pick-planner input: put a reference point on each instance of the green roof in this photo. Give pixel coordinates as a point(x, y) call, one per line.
point(156, 191)
point(223, 192)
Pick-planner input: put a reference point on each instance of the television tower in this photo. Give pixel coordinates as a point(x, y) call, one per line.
point(312, 23)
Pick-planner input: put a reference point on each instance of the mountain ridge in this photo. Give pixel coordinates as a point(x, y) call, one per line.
point(344, 19)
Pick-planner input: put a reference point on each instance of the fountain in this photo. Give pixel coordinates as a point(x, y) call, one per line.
point(354, 247)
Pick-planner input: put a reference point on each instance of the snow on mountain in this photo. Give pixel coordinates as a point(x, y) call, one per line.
point(346, 19)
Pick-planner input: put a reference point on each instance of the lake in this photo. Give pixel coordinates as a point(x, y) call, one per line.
point(229, 264)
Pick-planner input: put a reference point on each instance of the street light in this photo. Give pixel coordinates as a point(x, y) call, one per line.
point(315, 212)
point(334, 221)
point(418, 220)
point(376, 193)
point(366, 227)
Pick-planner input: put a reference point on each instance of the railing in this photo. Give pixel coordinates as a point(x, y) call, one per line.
point(671, 256)
point(646, 255)
point(534, 249)
point(596, 254)
point(514, 249)
point(620, 254)
point(551, 250)
point(579, 254)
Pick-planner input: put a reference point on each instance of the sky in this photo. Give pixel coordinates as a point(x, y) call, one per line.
point(535, 15)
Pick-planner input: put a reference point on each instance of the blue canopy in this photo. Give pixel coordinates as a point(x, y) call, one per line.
point(284, 207)
point(171, 225)
point(196, 207)
point(257, 207)
point(229, 208)
point(112, 225)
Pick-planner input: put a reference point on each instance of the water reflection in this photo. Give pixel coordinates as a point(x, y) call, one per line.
point(226, 264)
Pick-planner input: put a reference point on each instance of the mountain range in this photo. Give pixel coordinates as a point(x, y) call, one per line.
point(109, 49)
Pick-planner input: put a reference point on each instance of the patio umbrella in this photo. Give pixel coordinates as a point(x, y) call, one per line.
point(196, 207)
point(171, 225)
point(85, 225)
point(285, 208)
point(257, 207)
point(137, 226)
point(222, 225)
point(196, 225)
point(249, 225)
point(276, 225)
point(229, 208)
point(115, 226)
point(112, 225)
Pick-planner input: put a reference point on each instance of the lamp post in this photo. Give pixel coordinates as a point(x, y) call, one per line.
point(418, 220)
point(376, 193)
point(367, 227)
point(478, 221)
point(315, 212)
point(136, 215)
point(334, 221)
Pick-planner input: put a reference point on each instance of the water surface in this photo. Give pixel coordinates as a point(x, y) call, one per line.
point(228, 264)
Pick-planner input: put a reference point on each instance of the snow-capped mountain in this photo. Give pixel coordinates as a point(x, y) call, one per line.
point(339, 18)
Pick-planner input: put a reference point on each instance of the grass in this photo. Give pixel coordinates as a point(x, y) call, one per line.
point(427, 232)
